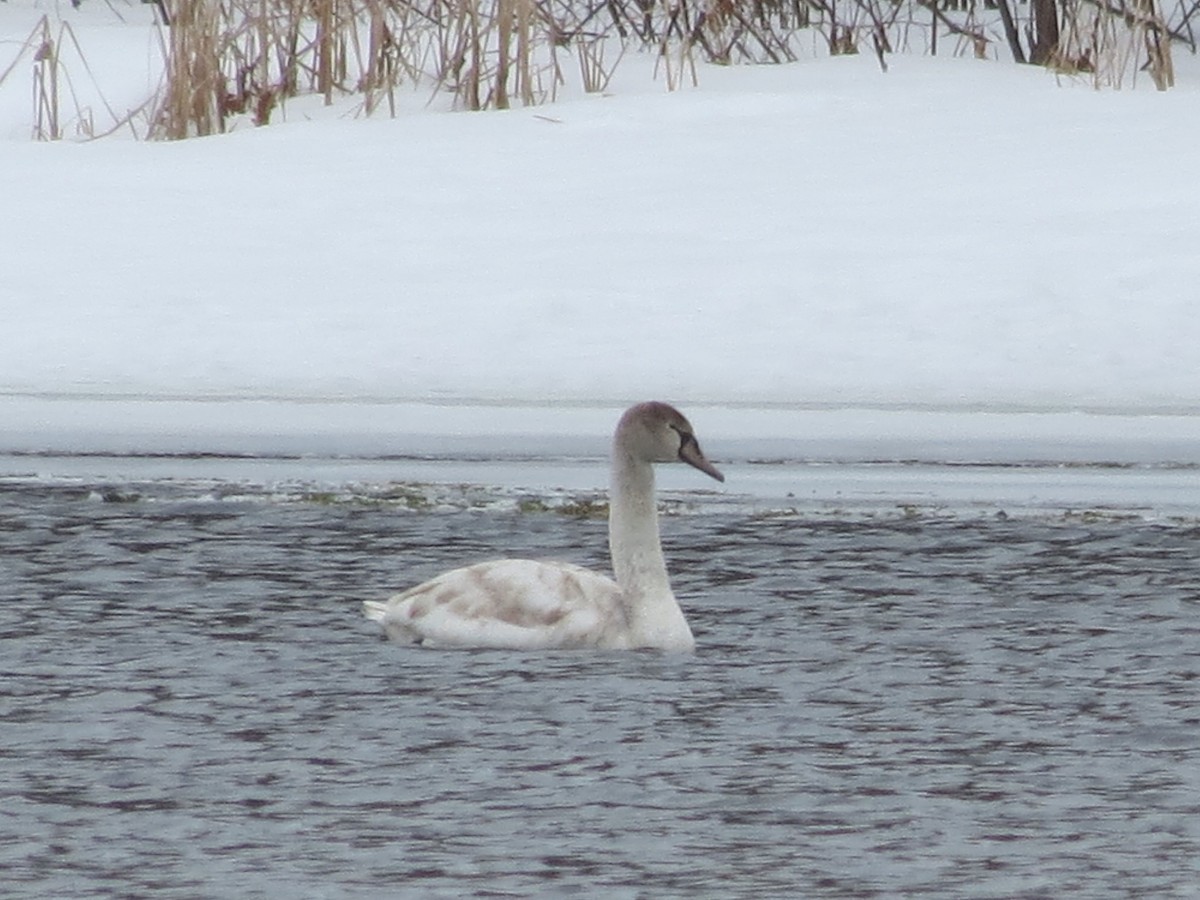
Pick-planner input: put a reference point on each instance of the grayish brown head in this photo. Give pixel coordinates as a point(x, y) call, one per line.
point(658, 432)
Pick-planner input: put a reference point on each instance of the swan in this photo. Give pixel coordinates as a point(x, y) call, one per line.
point(525, 604)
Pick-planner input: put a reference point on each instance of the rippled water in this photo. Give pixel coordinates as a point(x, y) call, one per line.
point(956, 706)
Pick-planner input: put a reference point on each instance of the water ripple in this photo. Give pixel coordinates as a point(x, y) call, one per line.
point(950, 706)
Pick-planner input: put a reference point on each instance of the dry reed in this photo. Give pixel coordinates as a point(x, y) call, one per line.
point(1111, 44)
point(57, 105)
point(227, 60)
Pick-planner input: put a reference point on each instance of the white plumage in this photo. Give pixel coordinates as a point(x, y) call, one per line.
point(526, 604)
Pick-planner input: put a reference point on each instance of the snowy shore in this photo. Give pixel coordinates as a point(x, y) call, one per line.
point(957, 254)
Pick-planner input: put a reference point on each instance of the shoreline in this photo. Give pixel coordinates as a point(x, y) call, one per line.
point(446, 430)
point(857, 461)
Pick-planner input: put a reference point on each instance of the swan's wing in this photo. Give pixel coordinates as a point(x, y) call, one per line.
point(511, 603)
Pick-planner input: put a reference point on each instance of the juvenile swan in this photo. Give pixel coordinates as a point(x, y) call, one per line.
point(522, 604)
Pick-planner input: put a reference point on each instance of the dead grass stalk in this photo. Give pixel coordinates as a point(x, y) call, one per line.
point(227, 60)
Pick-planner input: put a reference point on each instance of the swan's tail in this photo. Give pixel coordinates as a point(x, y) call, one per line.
point(394, 628)
point(374, 610)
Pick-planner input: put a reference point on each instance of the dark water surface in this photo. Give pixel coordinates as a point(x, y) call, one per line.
point(943, 705)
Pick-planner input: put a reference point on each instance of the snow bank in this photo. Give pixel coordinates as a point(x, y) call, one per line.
point(951, 236)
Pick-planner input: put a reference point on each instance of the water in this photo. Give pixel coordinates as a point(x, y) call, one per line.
point(885, 701)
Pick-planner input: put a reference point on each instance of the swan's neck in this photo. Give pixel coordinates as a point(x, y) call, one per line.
point(655, 618)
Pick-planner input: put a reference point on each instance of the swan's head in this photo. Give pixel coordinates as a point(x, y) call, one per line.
point(658, 432)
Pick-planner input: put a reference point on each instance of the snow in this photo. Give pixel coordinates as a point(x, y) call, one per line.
point(953, 250)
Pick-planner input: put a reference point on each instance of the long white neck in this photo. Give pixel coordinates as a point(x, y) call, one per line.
point(654, 615)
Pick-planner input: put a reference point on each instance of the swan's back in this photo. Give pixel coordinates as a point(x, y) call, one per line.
point(508, 603)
